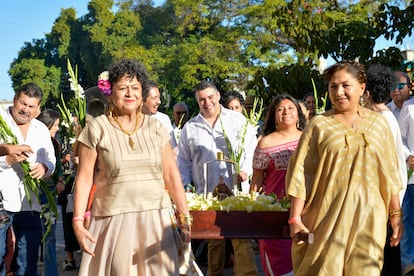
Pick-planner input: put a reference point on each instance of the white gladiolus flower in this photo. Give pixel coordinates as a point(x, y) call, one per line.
point(81, 91)
point(72, 140)
point(64, 124)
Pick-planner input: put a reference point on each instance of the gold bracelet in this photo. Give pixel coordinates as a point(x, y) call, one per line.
point(395, 213)
point(186, 218)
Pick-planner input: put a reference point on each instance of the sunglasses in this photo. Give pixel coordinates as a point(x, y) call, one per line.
point(401, 85)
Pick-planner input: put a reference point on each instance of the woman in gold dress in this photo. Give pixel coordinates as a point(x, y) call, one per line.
point(343, 183)
point(129, 158)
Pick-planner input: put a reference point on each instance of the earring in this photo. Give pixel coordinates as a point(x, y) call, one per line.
point(297, 124)
point(110, 109)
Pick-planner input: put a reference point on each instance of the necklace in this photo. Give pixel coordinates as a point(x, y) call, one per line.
point(130, 141)
point(353, 124)
point(358, 117)
point(355, 120)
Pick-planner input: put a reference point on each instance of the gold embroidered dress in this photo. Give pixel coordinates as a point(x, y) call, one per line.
point(346, 178)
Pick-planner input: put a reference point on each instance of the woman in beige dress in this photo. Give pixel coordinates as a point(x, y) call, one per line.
point(343, 183)
point(129, 158)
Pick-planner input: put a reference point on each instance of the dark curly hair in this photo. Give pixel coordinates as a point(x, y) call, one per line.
point(381, 81)
point(270, 124)
point(130, 68)
point(227, 97)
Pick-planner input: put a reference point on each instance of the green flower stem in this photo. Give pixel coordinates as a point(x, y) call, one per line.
point(322, 109)
point(252, 119)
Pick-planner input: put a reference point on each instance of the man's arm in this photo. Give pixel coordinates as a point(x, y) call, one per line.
point(10, 154)
point(404, 122)
point(46, 159)
point(6, 149)
point(184, 157)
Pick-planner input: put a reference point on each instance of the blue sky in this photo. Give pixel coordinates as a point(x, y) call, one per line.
point(24, 20)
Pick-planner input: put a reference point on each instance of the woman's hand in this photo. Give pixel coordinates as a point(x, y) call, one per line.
point(397, 230)
point(83, 235)
point(241, 176)
point(186, 230)
point(296, 228)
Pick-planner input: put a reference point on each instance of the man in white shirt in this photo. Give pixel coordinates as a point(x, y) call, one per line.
point(201, 138)
point(151, 101)
point(24, 217)
point(400, 93)
point(406, 122)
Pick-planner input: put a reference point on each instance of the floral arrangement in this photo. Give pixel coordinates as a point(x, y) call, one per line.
point(103, 83)
point(241, 202)
point(31, 185)
point(73, 128)
point(252, 121)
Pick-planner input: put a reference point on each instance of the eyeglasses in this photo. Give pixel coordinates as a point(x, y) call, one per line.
point(401, 85)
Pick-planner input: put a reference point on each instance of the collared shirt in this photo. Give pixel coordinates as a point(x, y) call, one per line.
point(199, 144)
point(394, 109)
point(11, 176)
point(166, 122)
point(406, 122)
point(402, 165)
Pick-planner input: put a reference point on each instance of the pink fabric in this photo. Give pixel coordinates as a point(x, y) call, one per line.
point(274, 162)
point(275, 254)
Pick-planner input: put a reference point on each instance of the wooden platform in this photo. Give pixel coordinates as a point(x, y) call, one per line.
point(240, 224)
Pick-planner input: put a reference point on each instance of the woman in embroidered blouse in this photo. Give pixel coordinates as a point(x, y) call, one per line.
point(129, 158)
point(284, 124)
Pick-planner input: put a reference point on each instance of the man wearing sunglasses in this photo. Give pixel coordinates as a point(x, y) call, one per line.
point(406, 122)
point(400, 93)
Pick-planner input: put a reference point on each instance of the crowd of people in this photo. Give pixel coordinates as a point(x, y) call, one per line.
point(347, 171)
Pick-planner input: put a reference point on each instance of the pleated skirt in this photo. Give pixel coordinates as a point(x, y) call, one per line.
point(138, 243)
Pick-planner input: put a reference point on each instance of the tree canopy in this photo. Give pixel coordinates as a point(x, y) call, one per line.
point(258, 46)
